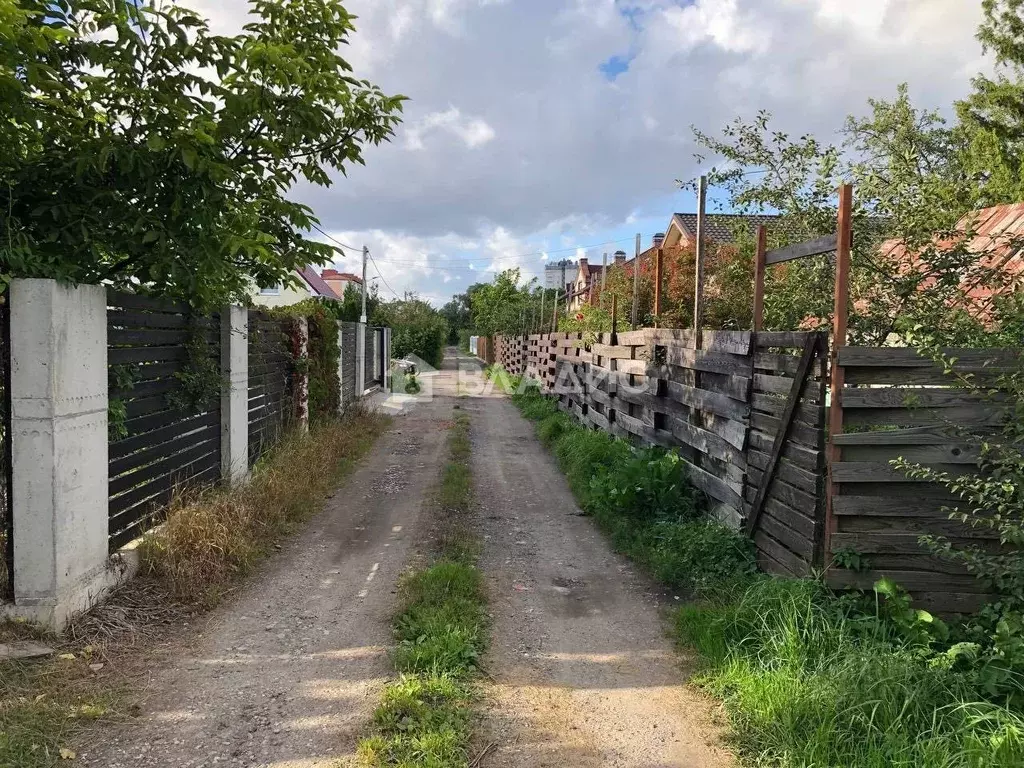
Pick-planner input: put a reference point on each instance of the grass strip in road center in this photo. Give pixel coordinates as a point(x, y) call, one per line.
point(425, 717)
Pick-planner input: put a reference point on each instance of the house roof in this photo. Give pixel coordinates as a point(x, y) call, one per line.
point(721, 227)
point(348, 277)
point(317, 284)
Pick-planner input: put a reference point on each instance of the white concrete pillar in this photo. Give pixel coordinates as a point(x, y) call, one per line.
point(360, 359)
point(59, 448)
point(387, 359)
point(234, 400)
point(341, 369)
point(302, 385)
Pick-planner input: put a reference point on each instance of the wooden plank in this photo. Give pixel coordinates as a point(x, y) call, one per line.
point(854, 504)
point(126, 355)
point(799, 545)
point(803, 433)
point(793, 518)
point(175, 463)
point(720, 405)
point(776, 362)
point(910, 580)
point(712, 361)
point(882, 472)
point(915, 397)
point(803, 456)
point(782, 385)
point(912, 376)
point(122, 300)
point(638, 367)
point(792, 565)
point(966, 360)
point(910, 436)
point(785, 470)
point(784, 493)
point(937, 525)
point(612, 353)
point(142, 424)
point(647, 336)
point(773, 405)
point(815, 247)
point(132, 319)
point(121, 448)
point(145, 389)
point(157, 337)
point(161, 450)
point(973, 416)
point(713, 486)
point(950, 453)
point(783, 339)
point(704, 441)
point(731, 342)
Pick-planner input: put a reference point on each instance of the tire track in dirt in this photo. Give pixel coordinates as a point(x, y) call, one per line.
point(582, 673)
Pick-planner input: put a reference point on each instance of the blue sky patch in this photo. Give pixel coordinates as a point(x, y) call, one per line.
point(615, 66)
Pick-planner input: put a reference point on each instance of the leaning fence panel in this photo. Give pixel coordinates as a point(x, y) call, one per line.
point(164, 407)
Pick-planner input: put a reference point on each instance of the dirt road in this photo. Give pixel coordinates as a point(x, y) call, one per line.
point(286, 674)
point(583, 673)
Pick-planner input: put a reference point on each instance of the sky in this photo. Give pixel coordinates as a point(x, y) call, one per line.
point(549, 129)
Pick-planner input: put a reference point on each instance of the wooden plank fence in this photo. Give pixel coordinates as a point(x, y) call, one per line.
point(348, 368)
point(721, 404)
point(156, 444)
point(271, 403)
point(897, 404)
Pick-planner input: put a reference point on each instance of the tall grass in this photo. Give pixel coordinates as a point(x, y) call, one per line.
point(425, 718)
point(810, 679)
point(212, 537)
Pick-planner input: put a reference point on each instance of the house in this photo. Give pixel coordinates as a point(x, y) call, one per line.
point(560, 274)
point(309, 285)
point(339, 281)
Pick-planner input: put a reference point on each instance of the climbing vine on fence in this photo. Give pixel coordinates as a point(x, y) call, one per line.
point(200, 380)
point(320, 362)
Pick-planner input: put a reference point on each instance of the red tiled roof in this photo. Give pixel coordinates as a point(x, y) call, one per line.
point(317, 284)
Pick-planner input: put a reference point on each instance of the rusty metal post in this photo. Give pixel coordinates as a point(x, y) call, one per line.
point(657, 285)
point(844, 247)
point(759, 275)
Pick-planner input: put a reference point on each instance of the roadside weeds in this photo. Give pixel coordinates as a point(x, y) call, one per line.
point(210, 540)
point(425, 718)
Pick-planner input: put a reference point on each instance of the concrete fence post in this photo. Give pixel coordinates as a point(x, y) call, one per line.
point(360, 359)
point(341, 368)
point(387, 359)
point(59, 448)
point(234, 401)
point(302, 385)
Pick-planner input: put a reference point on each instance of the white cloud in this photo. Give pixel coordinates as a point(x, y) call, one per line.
point(473, 131)
point(515, 141)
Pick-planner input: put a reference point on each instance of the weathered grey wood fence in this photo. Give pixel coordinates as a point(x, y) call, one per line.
point(748, 412)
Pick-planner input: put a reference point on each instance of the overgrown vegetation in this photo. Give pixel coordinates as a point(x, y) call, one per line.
point(211, 538)
point(416, 328)
point(809, 678)
point(425, 717)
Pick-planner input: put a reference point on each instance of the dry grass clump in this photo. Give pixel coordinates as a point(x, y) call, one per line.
point(212, 537)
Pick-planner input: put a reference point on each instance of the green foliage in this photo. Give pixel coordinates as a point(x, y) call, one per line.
point(200, 381)
point(651, 483)
point(506, 305)
point(142, 150)
point(809, 680)
point(417, 328)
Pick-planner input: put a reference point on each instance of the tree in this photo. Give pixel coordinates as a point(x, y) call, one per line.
point(145, 151)
point(417, 328)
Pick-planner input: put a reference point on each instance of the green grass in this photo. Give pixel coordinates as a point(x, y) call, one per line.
point(425, 718)
point(810, 679)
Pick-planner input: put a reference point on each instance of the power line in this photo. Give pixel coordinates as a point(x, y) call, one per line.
point(368, 253)
point(333, 239)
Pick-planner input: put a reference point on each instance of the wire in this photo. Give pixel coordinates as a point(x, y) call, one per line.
point(382, 276)
point(334, 239)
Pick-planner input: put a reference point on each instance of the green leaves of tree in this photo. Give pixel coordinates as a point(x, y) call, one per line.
point(146, 151)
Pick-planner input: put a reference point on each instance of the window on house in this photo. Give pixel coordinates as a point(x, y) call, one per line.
point(274, 290)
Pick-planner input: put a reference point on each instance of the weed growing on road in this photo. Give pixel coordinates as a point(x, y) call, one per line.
point(425, 718)
point(809, 678)
point(211, 538)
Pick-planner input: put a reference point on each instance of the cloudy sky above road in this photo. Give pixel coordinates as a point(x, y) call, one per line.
point(540, 126)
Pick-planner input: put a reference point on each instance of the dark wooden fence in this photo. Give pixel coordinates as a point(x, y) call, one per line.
point(158, 442)
point(348, 367)
point(271, 403)
point(898, 404)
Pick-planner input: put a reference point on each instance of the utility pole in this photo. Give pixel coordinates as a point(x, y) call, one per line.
point(698, 271)
point(543, 297)
point(636, 281)
point(366, 253)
